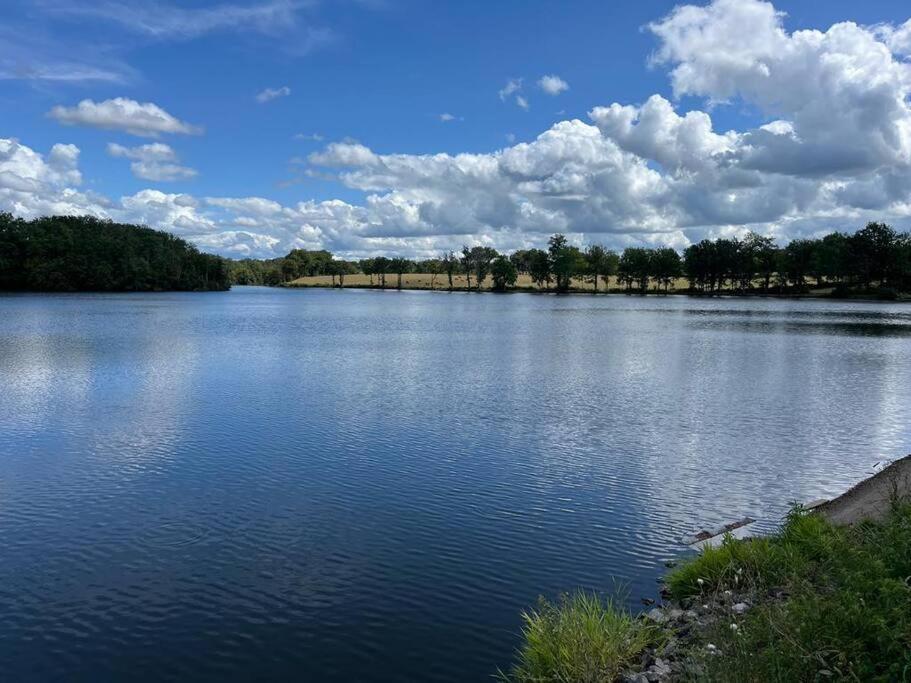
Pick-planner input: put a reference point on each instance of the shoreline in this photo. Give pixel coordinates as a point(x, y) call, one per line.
point(825, 596)
point(820, 296)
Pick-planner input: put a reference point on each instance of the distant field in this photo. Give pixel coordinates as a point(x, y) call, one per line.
point(423, 281)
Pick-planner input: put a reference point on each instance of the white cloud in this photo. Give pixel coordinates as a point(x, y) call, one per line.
point(512, 89)
point(156, 162)
point(164, 20)
point(270, 94)
point(833, 150)
point(512, 86)
point(552, 84)
point(309, 137)
point(446, 117)
point(142, 119)
point(897, 38)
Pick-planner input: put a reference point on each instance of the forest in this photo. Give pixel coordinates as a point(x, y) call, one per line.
point(70, 254)
point(874, 261)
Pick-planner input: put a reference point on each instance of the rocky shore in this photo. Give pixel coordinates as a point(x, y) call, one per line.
point(695, 629)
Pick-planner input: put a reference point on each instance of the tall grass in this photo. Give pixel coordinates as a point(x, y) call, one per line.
point(582, 638)
point(843, 605)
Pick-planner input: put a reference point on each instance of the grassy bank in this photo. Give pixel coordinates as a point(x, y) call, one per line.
point(426, 281)
point(813, 602)
point(459, 282)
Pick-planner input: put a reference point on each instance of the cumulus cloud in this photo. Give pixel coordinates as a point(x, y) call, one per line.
point(552, 84)
point(141, 119)
point(897, 38)
point(156, 162)
point(447, 117)
point(270, 94)
point(831, 149)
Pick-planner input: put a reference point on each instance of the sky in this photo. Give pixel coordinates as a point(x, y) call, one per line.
point(411, 127)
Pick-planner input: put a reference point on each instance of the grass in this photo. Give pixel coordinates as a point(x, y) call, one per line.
point(582, 638)
point(828, 603)
point(832, 603)
point(424, 281)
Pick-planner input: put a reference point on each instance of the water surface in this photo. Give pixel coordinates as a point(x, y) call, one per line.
point(361, 485)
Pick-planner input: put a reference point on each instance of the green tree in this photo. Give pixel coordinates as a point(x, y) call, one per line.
point(450, 265)
point(635, 267)
point(400, 266)
point(367, 268)
point(481, 258)
point(539, 268)
point(666, 266)
point(600, 263)
point(565, 261)
point(504, 273)
point(82, 253)
point(382, 266)
point(467, 263)
point(875, 254)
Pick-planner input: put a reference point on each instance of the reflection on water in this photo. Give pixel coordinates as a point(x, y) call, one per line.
point(343, 485)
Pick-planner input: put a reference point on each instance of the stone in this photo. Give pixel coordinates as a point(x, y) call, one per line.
point(657, 615)
point(740, 608)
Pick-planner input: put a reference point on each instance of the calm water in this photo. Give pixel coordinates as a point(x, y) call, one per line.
point(370, 486)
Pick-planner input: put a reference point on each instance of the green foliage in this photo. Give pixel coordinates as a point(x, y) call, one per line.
point(477, 261)
point(566, 261)
point(846, 610)
point(580, 639)
point(876, 257)
point(539, 267)
point(665, 266)
point(450, 264)
point(635, 267)
point(504, 273)
point(70, 253)
point(875, 260)
point(600, 263)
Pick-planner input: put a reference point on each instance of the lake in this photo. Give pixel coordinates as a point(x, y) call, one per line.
point(370, 486)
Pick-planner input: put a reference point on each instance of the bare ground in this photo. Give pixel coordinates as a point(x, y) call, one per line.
point(871, 498)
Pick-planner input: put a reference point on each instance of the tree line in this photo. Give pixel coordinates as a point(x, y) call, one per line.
point(67, 253)
point(70, 253)
point(875, 259)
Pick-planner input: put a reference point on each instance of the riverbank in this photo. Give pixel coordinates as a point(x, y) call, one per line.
point(610, 285)
point(828, 597)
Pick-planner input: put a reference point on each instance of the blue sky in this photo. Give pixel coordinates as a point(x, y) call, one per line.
point(378, 75)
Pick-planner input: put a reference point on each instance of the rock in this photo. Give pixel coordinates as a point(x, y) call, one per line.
point(634, 677)
point(740, 608)
point(675, 613)
point(692, 615)
point(647, 602)
point(657, 615)
point(659, 671)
